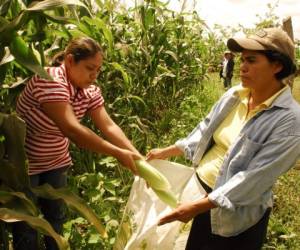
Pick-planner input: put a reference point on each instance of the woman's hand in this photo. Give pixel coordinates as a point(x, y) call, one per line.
point(127, 158)
point(163, 153)
point(187, 211)
point(156, 153)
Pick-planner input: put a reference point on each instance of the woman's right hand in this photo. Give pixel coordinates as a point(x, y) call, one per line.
point(163, 153)
point(127, 158)
point(156, 153)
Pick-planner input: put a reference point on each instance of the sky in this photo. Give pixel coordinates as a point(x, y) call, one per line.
point(234, 12)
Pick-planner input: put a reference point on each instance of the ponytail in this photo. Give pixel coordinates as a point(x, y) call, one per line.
point(58, 59)
point(81, 48)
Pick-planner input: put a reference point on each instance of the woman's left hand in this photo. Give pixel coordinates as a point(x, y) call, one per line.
point(187, 211)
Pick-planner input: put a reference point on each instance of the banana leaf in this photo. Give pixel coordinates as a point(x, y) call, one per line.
point(73, 201)
point(9, 215)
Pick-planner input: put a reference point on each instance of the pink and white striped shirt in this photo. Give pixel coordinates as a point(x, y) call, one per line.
point(45, 145)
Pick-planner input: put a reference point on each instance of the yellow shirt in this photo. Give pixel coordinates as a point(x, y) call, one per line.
point(227, 132)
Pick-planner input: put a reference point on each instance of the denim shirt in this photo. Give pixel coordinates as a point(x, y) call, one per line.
point(267, 146)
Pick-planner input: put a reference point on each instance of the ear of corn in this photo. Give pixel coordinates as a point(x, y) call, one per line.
point(153, 177)
point(157, 181)
point(167, 197)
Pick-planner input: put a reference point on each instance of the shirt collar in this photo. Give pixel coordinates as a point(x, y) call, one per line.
point(244, 94)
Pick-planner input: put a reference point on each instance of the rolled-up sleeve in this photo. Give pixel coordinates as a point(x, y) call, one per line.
point(189, 144)
point(252, 186)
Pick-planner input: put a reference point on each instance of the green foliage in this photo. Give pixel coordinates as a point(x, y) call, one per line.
point(73, 201)
point(284, 225)
point(12, 128)
point(107, 196)
point(14, 180)
point(11, 215)
point(154, 80)
point(21, 19)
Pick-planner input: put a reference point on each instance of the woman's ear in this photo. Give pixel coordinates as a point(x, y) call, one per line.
point(277, 67)
point(69, 59)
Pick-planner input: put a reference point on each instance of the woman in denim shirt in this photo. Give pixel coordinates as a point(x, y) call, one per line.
point(250, 137)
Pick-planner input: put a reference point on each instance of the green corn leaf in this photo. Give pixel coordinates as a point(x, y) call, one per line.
point(3, 71)
point(100, 24)
point(9, 215)
point(2, 149)
point(18, 201)
point(76, 33)
point(85, 28)
point(4, 7)
point(118, 67)
point(7, 57)
point(5, 197)
point(13, 129)
point(149, 18)
point(58, 19)
point(7, 29)
point(51, 4)
point(139, 99)
point(73, 201)
point(9, 177)
point(18, 84)
point(25, 56)
point(172, 54)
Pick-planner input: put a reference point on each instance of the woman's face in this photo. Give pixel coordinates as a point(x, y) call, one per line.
point(83, 73)
point(256, 71)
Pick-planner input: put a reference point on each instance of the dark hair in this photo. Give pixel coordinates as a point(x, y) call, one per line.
point(81, 48)
point(289, 67)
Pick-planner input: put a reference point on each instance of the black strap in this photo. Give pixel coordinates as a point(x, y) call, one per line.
point(204, 185)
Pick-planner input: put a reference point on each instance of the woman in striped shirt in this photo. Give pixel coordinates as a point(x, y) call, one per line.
point(52, 110)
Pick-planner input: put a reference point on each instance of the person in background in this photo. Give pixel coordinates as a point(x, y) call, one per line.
point(52, 110)
point(250, 138)
point(227, 67)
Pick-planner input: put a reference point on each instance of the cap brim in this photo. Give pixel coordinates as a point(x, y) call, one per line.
point(240, 44)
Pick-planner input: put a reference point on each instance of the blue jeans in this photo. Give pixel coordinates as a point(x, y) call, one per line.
point(26, 238)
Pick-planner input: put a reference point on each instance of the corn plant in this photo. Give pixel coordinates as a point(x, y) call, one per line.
point(153, 57)
point(14, 181)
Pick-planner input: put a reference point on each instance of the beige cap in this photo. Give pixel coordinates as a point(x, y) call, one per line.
point(265, 39)
point(227, 52)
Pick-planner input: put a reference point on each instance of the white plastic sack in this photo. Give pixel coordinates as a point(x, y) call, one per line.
point(139, 230)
